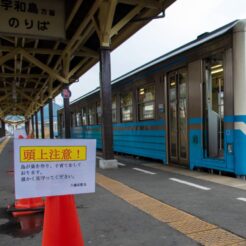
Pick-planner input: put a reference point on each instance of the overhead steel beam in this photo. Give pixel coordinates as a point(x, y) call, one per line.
point(89, 52)
point(41, 51)
point(44, 67)
point(73, 13)
point(151, 4)
point(76, 36)
point(106, 16)
point(76, 68)
point(5, 97)
point(83, 25)
point(9, 56)
point(26, 96)
point(23, 75)
point(117, 27)
point(22, 108)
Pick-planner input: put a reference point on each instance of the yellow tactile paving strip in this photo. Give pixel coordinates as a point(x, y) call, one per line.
point(191, 226)
point(3, 144)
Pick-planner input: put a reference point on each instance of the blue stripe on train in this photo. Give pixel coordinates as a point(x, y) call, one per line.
point(152, 143)
point(227, 119)
point(235, 118)
point(141, 123)
point(147, 143)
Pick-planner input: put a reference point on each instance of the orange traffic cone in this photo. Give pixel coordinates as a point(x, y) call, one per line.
point(27, 206)
point(61, 223)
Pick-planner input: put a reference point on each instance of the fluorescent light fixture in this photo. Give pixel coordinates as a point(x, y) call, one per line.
point(216, 66)
point(217, 71)
point(141, 91)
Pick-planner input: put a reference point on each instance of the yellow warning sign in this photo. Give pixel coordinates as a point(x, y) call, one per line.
point(52, 153)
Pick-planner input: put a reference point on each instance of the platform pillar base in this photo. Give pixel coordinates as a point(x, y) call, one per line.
point(108, 164)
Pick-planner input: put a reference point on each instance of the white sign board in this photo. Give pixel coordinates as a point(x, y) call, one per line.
point(51, 167)
point(41, 18)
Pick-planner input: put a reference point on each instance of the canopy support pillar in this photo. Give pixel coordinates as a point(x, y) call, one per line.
point(36, 124)
point(67, 116)
point(42, 121)
point(51, 126)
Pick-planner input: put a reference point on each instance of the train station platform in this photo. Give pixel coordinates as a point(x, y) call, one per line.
point(141, 203)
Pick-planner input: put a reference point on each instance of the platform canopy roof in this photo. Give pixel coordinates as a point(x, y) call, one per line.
point(34, 68)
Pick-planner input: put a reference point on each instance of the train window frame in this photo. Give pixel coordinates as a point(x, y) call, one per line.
point(152, 101)
point(63, 120)
point(114, 109)
point(92, 114)
point(73, 119)
point(78, 119)
point(84, 116)
point(98, 113)
point(125, 106)
point(214, 105)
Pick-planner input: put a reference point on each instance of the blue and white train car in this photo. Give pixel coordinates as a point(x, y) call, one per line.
point(186, 107)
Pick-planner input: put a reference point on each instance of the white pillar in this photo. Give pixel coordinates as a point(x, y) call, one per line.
point(239, 78)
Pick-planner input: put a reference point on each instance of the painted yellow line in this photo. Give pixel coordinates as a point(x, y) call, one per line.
point(191, 226)
point(3, 144)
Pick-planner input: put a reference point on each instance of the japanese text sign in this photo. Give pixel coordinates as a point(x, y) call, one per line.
point(50, 167)
point(41, 18)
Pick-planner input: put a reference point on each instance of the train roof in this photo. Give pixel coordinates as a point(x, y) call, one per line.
point(204, 37)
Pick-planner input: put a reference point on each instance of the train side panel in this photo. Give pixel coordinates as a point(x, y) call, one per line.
point(216, 105)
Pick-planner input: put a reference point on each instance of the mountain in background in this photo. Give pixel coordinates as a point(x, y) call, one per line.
point(56, 107)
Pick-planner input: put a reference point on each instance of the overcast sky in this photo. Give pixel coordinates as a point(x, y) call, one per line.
point(184, 21)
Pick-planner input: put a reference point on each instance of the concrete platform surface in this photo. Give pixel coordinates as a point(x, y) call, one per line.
point(141, 203)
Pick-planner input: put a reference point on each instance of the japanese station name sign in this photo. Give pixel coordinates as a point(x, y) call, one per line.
point(51, 167)
point(39, 18)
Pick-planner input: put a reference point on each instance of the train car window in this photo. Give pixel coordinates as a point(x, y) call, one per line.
point(63, 121)
point(213, 95)
point(84, 117)
point(78, 119)
point(114, 119)
point(92, 115)
point(146, 103)
point(126, 106)
point(99, 113)
point(73, 119)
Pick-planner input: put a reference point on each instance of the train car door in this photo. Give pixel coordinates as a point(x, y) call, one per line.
point(177, 116)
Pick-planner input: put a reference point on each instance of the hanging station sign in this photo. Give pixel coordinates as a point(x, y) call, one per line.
point(40, 18)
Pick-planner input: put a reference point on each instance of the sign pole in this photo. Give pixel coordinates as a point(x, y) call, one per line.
point(66, 94)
